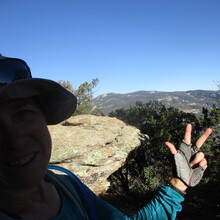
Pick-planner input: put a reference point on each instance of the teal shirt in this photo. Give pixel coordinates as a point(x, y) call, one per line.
point(68, 211)
point(163, 206)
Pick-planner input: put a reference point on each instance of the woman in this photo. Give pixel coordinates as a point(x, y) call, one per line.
point(29, 191)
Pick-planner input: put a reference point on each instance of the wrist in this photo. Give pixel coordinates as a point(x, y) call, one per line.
point(180, 185)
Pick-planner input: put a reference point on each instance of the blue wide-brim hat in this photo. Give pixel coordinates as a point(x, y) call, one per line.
point(16, 82)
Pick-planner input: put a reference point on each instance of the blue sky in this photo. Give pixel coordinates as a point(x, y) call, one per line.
point(130, 45)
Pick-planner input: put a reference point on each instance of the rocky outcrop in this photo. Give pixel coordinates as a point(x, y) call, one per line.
point(93, 147)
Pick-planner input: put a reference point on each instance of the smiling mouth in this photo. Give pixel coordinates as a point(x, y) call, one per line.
point(22, 161)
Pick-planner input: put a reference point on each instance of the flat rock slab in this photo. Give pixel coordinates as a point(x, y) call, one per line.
point(93, 147)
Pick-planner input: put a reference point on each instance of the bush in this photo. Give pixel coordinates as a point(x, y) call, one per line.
point(150, 165)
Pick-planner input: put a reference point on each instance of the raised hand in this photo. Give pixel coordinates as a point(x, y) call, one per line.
point(190, 171)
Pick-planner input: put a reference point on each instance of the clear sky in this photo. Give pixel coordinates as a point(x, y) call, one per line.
point(130, 45)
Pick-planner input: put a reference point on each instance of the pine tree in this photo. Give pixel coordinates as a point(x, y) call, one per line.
point(84, 96)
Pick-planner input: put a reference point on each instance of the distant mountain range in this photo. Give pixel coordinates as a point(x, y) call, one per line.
point(189, 101)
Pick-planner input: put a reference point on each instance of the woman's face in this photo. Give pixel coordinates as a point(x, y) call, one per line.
point(25, 144)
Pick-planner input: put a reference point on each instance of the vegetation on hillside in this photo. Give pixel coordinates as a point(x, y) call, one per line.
point(151, 165)
point(188, 101)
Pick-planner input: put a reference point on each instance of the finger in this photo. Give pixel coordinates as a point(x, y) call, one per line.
point(187, 136)
point(198, 158)
point(203, 163)
point(171, 147)
point(203, 138)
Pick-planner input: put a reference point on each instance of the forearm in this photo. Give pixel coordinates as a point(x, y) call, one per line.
point(163, 206)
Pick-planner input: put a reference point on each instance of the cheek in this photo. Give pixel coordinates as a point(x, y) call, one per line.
point(42, 136)
point(46, 140)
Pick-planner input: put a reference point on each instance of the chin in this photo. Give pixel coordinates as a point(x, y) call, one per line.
point(23, 180)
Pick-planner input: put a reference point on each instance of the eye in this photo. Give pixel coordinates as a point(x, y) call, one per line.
point(23, 114)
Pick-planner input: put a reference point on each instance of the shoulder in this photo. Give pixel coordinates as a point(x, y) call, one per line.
point(70, 184)
point(62, 180)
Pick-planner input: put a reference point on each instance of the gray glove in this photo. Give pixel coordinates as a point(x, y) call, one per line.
point(190, 176)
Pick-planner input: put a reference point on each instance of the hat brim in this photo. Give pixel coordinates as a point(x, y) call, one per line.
point(57, 103)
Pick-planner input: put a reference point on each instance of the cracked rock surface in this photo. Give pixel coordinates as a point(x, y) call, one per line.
point(93, 147)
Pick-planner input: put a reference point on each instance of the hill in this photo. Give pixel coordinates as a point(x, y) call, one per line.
point(189, 101)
